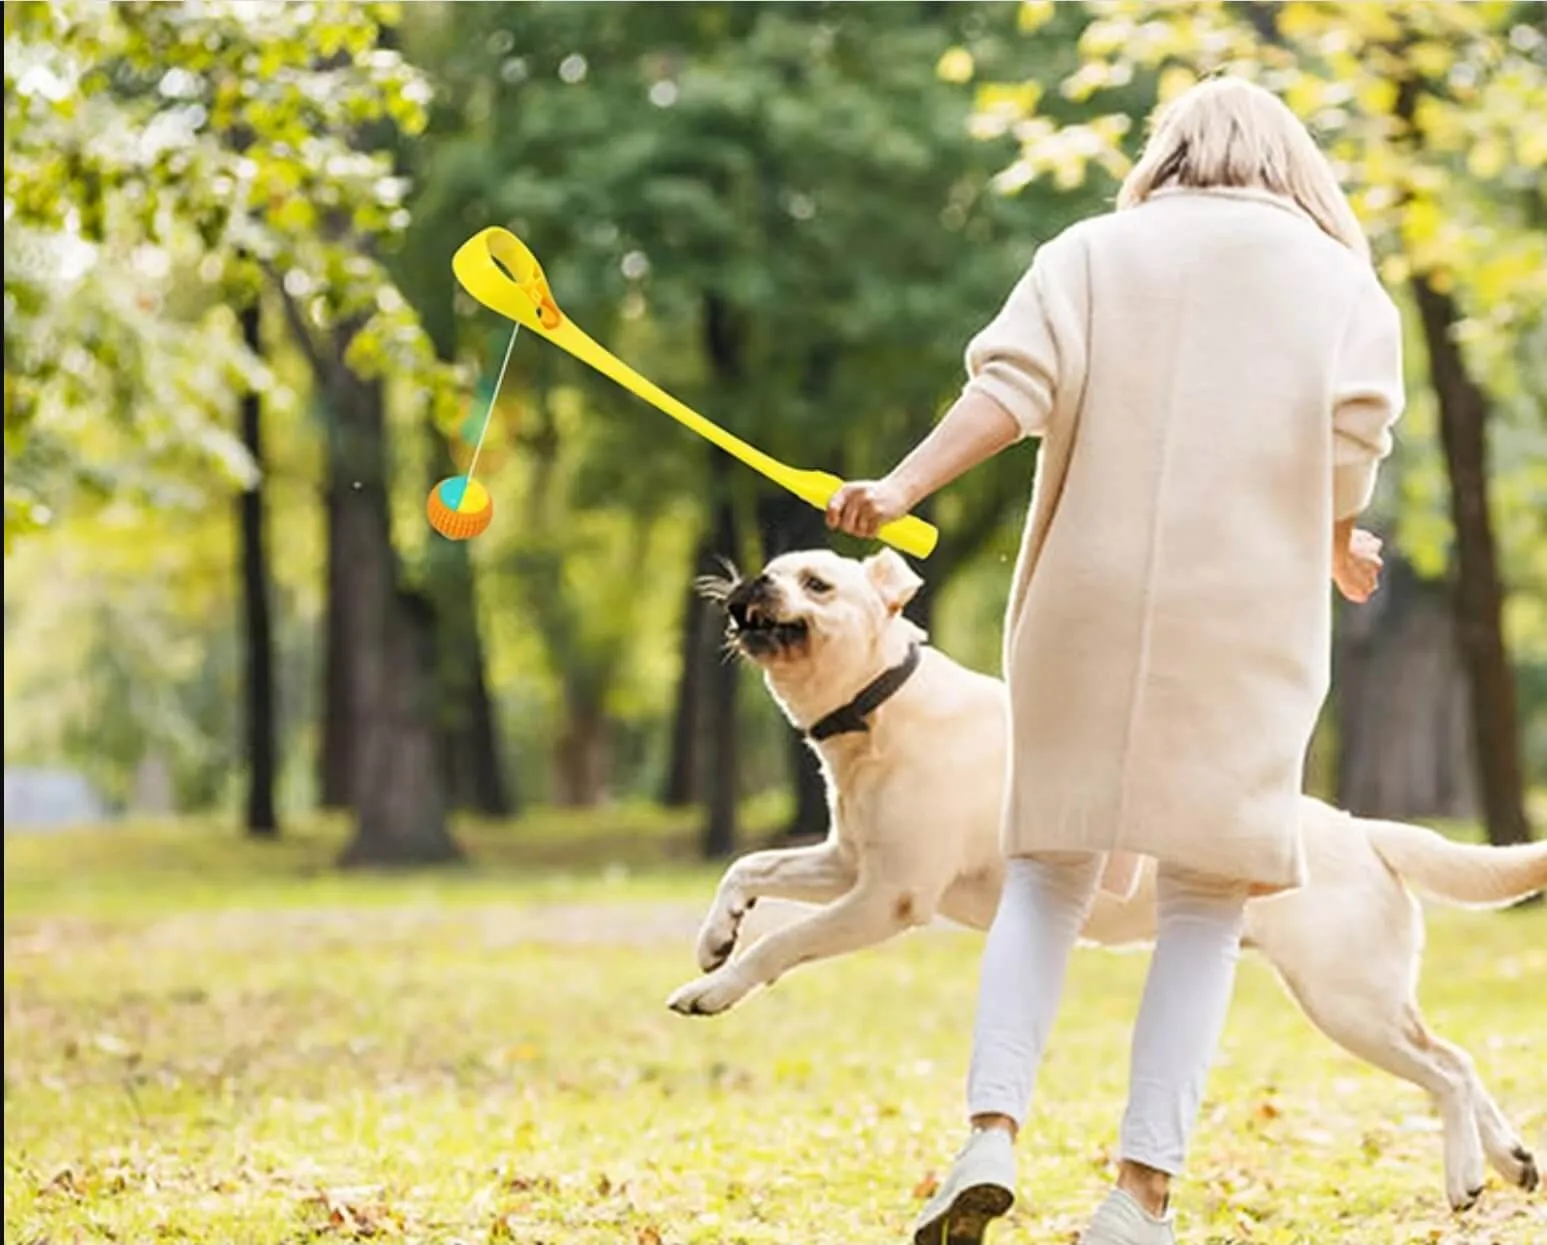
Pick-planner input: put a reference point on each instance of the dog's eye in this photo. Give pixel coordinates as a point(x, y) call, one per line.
point(816, 584)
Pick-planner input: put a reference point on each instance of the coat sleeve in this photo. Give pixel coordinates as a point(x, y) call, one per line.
point(1023, 359)
point(1367, 399)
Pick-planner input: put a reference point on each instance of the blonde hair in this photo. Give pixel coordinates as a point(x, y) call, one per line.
point(1232, 133)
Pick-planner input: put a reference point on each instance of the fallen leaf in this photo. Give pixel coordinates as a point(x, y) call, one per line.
point(62, 1181)
point(926, 1187)
point(358, 1213)
point(647, 1235)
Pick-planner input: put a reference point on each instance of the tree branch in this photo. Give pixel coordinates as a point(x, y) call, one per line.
point(299, 329)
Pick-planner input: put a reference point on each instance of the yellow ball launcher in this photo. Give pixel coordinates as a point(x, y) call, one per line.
point(498, 269)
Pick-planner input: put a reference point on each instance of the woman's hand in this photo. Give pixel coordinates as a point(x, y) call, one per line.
point(862, 507)
point(973, 430)
point(1356, 566)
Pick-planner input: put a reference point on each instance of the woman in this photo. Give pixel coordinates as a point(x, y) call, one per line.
point(1214, 371)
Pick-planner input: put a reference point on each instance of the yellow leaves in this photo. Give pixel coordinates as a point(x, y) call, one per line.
point(1376, 95)
point(1531, 146)
point(1105, 36)
point(1033, 15)
point(292, 213)
point(1369, 23)
point(1014, 177)
point(1299, 21)
point(1306, 95)
point(1000, 105)
point(1174, 80)
point(358, 1213)
point(1065, 153)
point(955, 65)
point(1488, 158)
point(1509, 272)
point(1094, 76)
point(1020, 99)
point(1422, 223)
point(1431, 58)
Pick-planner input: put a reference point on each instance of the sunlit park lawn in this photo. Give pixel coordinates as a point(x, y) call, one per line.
point(214, 1042)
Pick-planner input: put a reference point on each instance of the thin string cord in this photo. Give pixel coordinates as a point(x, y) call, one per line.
point(493, 398)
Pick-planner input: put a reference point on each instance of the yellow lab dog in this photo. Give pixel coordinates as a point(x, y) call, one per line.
point(913, 747)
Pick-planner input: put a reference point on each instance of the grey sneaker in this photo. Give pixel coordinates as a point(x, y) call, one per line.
point(1122, 1221)
point(979, 1188)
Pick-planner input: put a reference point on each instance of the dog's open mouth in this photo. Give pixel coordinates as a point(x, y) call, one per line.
point(759, 633)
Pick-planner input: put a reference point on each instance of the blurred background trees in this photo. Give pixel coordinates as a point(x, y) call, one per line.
point(236, 360)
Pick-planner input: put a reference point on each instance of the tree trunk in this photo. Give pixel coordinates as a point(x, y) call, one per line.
point(262, 823)
point(470, 744)
point(725, 347)
point(335, 777)
point(400, 805)
point(581, 755)
point(697, 651)
point(1479, 593)
point(466, 724)
point(719, 736)
point(387, 642)
point(1401, 704)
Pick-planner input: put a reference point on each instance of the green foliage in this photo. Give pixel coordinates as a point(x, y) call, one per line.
point(852, 188)
point(662, 159)
point(153, 153)
point(247, 1048)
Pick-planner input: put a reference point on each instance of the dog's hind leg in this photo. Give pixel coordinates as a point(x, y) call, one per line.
point(1398, 1041)
point(816, 874)
point(1506, 1151)
point(1365, 1003)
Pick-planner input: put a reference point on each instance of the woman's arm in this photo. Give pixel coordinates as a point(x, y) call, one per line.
point(1367, 400)
point(1016, 367)
point(973, 431)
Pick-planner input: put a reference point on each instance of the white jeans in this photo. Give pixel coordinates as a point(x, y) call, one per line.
point(1186, 996)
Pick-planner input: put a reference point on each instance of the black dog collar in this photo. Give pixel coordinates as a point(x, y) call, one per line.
point(852, 717)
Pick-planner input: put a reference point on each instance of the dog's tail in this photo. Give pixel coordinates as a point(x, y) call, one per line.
point(1469, 874)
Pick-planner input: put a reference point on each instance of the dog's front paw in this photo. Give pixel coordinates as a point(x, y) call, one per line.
point(717, 936)
point(709, 995)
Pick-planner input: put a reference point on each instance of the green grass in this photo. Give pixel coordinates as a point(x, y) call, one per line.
point(215, 1042)
point(147, 869)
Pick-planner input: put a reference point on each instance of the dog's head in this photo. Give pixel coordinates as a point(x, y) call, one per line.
point(813, 616)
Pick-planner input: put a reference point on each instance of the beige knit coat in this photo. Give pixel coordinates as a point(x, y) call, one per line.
point(1214, 380)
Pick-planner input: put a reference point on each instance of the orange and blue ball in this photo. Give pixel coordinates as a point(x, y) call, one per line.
point(460, 508)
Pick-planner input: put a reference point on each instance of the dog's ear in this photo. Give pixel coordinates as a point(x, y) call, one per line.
point(894, 579)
